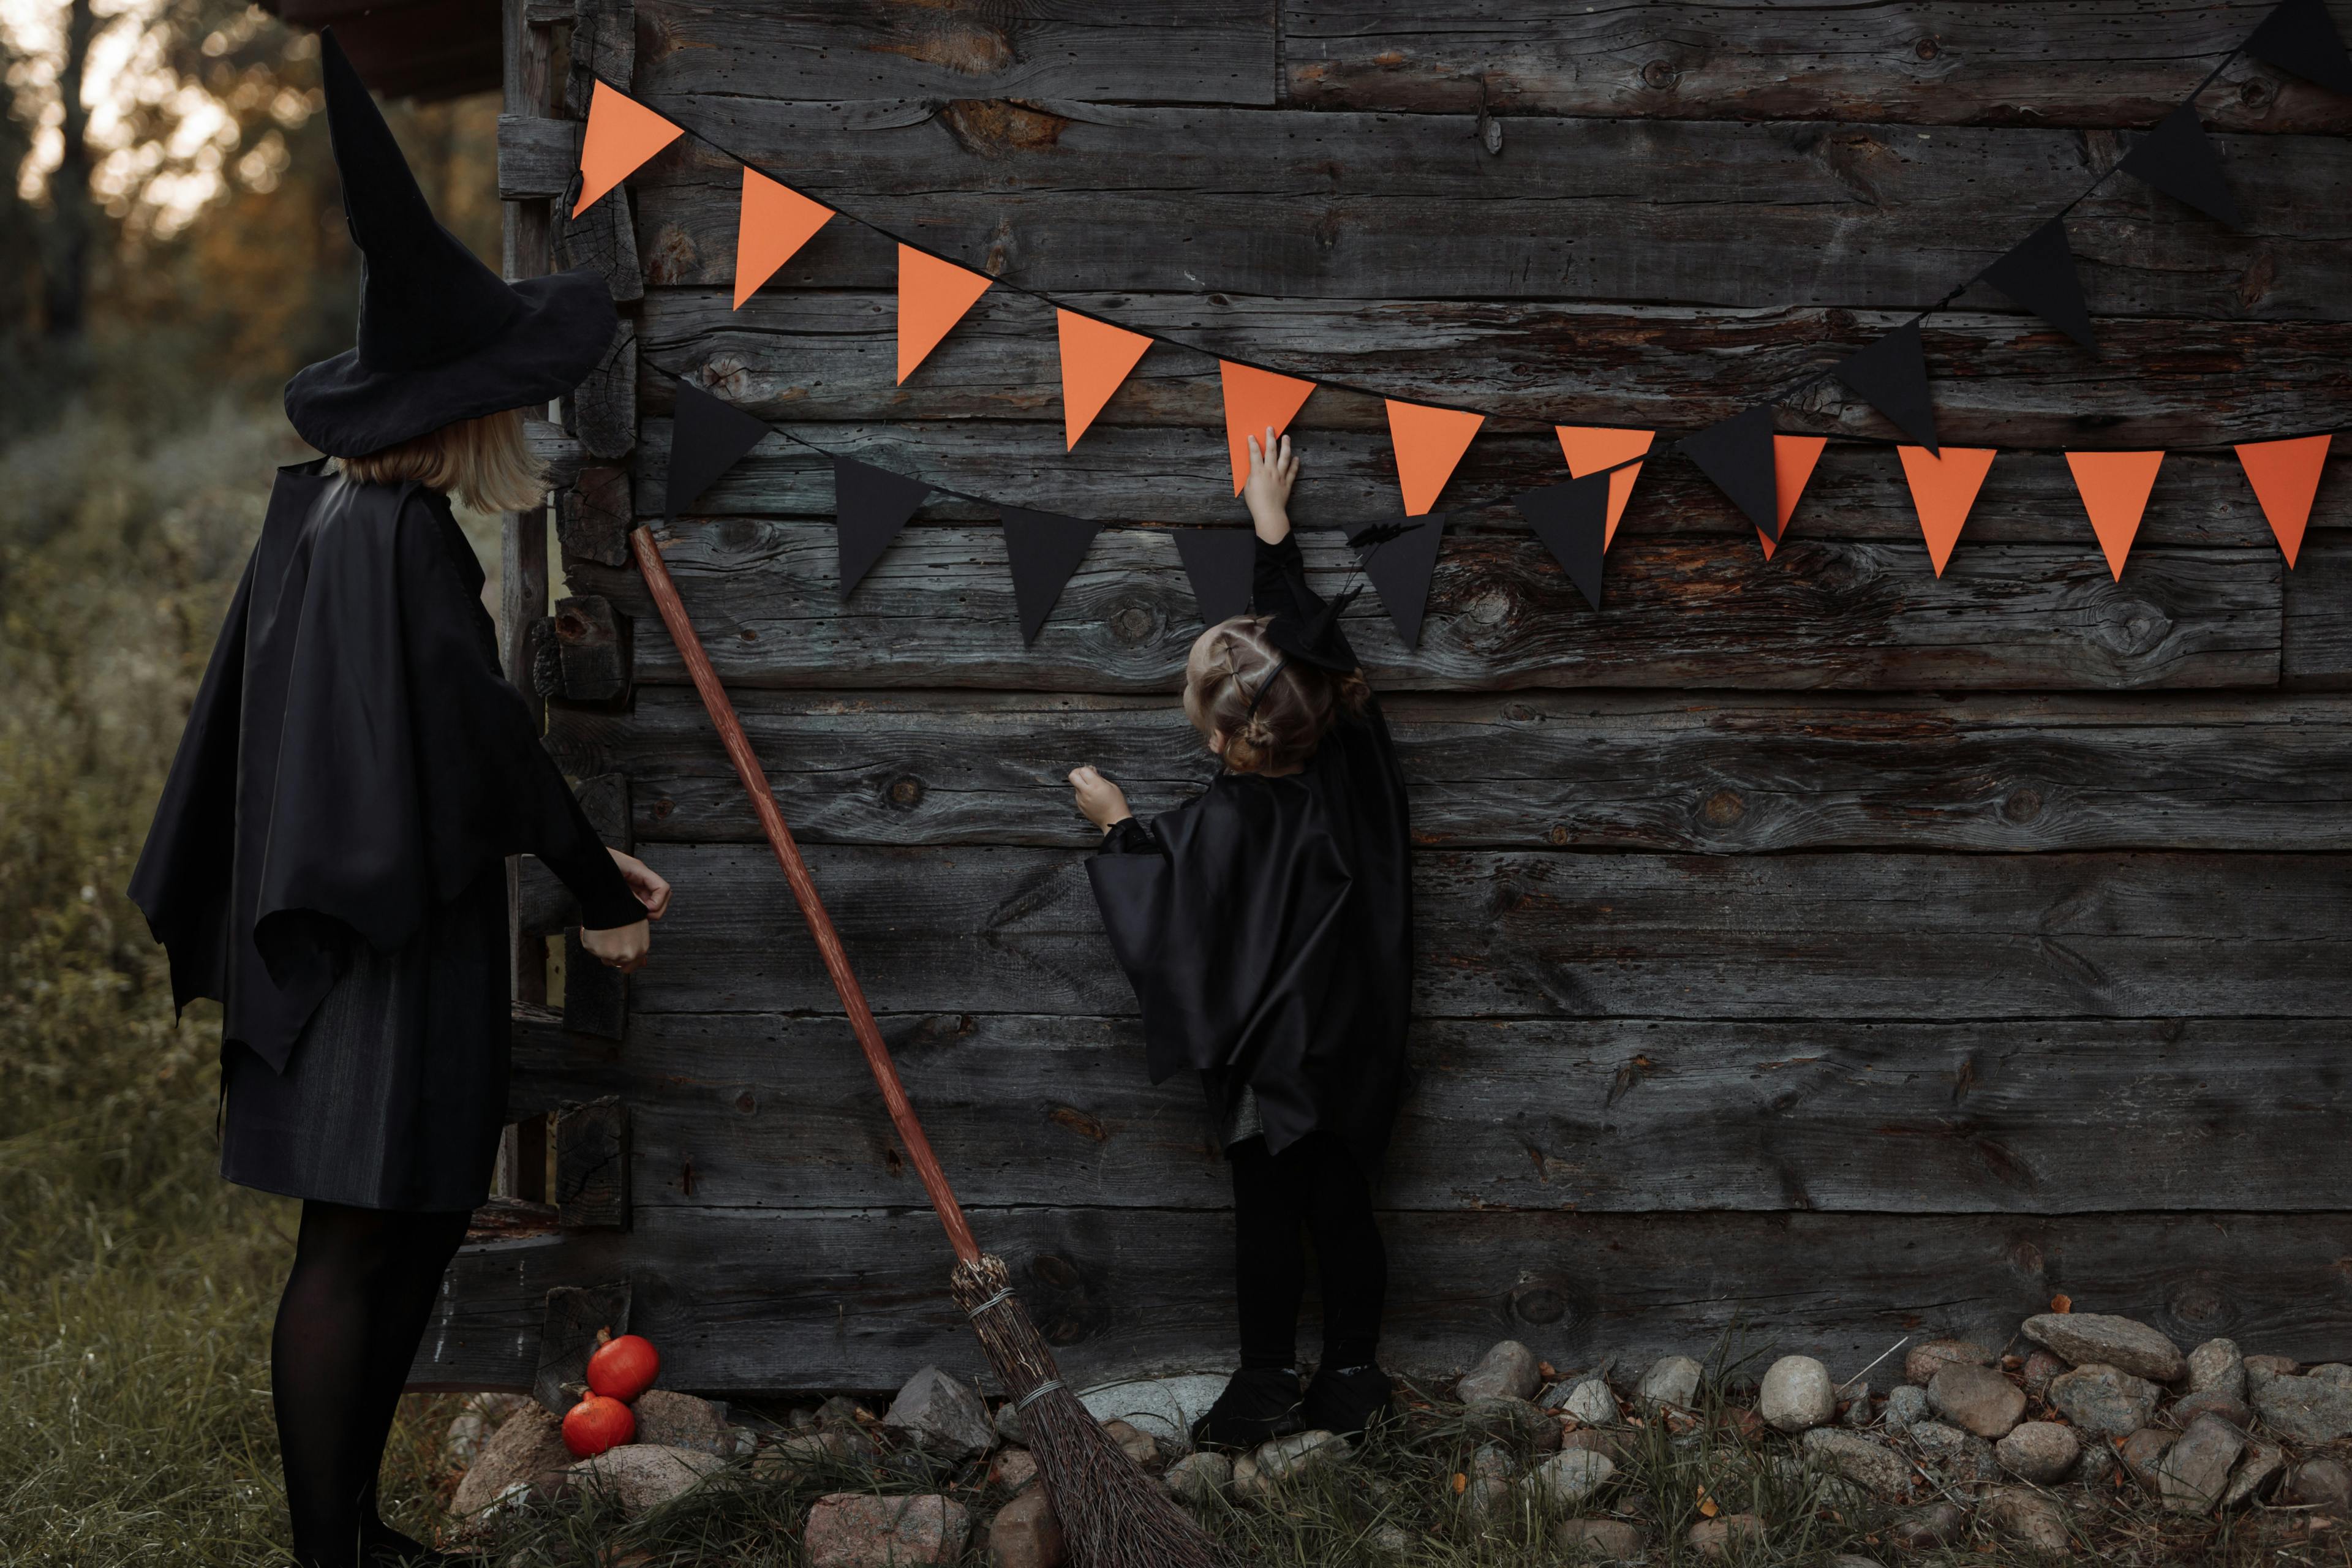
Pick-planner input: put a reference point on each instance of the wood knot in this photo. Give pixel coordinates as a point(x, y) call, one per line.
point(1661, 75)
point(2022, 805)
point(1557, 837)
point(1927, 49)
point(1057, 1272)
point(1070, 1119)
point(747, 1103)
point(994, 127)
point(1132, 624)
point(2254, 92)
point(660, 810)
point(2202, 1303)
point(1723, 807)
point(1540, 1304)
point(905, 793)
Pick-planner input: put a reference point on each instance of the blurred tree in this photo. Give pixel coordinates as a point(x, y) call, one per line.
point(68, 263)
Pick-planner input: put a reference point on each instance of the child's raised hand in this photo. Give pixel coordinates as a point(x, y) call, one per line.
point(1266, 491)
point(1100, 801)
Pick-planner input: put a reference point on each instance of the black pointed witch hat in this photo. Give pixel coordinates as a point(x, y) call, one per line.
point(441, 337)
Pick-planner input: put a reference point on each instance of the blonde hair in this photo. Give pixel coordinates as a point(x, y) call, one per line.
point(1268, 727)
point(483, 462)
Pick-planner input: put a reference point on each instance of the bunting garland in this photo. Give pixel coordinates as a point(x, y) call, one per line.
point(1763, 472)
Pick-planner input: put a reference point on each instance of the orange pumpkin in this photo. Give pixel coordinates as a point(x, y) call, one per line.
point(597, 1423)
point(622, 1368)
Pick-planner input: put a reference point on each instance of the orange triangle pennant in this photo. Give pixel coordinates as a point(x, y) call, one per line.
point(2115, 487)
point(1429, 442)
point(1589, 448)
point(1943, 488)
point(772, 222)
point(1096, 358)
point(1255, 400)
point(933, 296)
point(622, 134)
point(2285, 477)
point(1793, 458)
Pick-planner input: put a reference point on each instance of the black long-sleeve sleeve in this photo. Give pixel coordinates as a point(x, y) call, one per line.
point(1278, 581)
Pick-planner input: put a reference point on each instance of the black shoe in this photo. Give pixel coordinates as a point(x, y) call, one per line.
point(388, 1548)
point(1349, 1401)
point(1259, 1404)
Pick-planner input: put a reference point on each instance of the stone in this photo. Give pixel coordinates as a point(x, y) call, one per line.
point(2271, 1366)
point(1489, 1494)
point(2213, 1402)
point(1922, 1362)
point(1611, 1443)
point(1925, 1529)
point(1866, 1462)
point(644, 1476)
point(2143, 1451)
point(1955, 1455)
point(1283, 1460)
point(942, 1415)
point(671, 1420)
point(2333, 1371)
point(2321, 1484)
point(2098, 1464)
point(526, 1449)
point(480, 1417)
point(1906, 1403)
point(2088, 1338)
point(1796, 1394)
point(857, 1530)
point(2040, 1368)
point(2104, 1399)
point(2195, 1470)
point(2038, 1451)
point(1510, 1420)
point(1713, 1538)
point(1600, 1541)
point(1200, 1476)
point(2216, 1366)
point(1508, 1370)
point(1136, 1445)
point(1009, 1427)
point(1565, 1481)
point(1671, 1380)
point(2255, 1474)
point(1025, 1535)
point(1016, 1468)
point(840, 1411)
point(1976, 1398)
point(2306, 1409)
point(1163, 1407)
point(1590, 1403)
point(2028, 1518)
point(1857, 1411)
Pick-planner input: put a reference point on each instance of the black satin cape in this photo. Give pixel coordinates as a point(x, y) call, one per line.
point(353, 759)
point(1267, 927)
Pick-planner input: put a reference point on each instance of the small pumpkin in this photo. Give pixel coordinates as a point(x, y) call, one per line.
point(624, 1367)
point(597, 1423)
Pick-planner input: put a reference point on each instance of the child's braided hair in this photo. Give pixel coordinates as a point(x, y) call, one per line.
point(1272, 712)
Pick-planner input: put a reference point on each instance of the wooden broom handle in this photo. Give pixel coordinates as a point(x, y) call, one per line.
point(788, 856)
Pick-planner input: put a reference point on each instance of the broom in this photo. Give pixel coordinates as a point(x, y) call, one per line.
point(1112, 1514)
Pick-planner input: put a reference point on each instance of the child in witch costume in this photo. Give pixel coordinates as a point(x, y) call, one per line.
point(328, 858)
point(1267, 928)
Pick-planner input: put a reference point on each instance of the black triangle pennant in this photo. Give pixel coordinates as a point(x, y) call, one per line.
point(1572, 520)
point(1737, 454)
point(707, 437)
point(1891, 374)
point(1045, 548)
point(2039, 274)
point(870, 505)
point(1400, 564)
point(2301, 37)
point(1219, 562)
point(2179, 159)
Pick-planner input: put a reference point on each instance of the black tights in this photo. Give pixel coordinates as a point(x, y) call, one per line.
point(355, 1305)
point(1313, 1185)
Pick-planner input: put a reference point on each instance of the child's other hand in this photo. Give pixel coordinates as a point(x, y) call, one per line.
point(1266, 491)
point(1099, 800)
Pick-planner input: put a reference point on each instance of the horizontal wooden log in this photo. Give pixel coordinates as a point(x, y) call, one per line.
point(1929, 62)
point(2317, 634)
point(2000, 380)
point(1163, 51)
point(1575, 935)
point(786, 1300)
point(1589, 771)
point(938, 611)
point(1300, 204)
point(1616, 1115)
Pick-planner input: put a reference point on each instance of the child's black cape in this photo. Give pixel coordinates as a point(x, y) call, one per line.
point(1267, 927)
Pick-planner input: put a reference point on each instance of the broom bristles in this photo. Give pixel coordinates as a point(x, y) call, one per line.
point(1112, 1514)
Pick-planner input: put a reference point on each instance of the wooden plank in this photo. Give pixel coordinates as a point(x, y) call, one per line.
point(1681, 613)
point(786, 1300)
point(1563, 934)
point(567, 1336)
point(2002, 380)
point(1618, 1115)
point(1933, 62)
point(592, 515)
point(593, 649)
point(1301, 205)
point(591, 1165)
point(1164, 51)
point(1738, 774)
point(2316, 631)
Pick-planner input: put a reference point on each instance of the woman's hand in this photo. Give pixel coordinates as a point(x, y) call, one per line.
point(1266, 491)
point(620, 947)
point(1099, 800)
point(650, 890)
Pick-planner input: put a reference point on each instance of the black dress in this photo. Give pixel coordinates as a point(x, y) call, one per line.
point(1267, 928)
point(326, 857)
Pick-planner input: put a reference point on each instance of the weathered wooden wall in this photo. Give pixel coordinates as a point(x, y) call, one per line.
point(1820, 947)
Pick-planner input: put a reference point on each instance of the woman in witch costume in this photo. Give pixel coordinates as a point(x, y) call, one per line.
point(327, 859)
point(1267, 929)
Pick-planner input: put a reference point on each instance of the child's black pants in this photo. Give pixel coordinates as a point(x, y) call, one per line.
point(1313, 1188)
